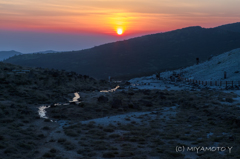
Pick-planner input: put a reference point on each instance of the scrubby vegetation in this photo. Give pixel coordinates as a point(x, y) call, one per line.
point(43, 85)
point(169, 119)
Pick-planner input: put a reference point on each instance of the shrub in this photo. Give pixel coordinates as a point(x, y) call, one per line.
point(71, 133)
point(228, 99)
point(108, 155)
point(48, 154)
point(108, 130)
point(69, 146)
point(53, 150)
point(114, 135)
point(46, 128)
point(61, 140)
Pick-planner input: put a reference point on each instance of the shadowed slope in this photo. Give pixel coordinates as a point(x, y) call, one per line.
point(231, 27)
point(139, 56)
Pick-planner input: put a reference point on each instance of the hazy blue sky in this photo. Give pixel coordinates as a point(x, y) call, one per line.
point(27, 42)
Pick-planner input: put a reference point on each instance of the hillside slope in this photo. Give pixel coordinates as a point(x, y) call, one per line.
point(42, 85)
point(231, 27)
point(213, 70)
point(139, 56)
point(6, 54)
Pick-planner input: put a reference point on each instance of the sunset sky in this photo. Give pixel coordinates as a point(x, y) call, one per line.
point(34, 25)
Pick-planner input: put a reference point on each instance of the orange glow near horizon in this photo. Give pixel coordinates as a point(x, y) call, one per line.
point(106, 17)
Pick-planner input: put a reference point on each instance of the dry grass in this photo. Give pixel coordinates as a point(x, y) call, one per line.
point(198, 114)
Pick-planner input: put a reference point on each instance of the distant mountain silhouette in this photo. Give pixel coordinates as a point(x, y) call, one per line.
point(44, 52)
point(231, 27)
point(7, 54)
point(142, 55)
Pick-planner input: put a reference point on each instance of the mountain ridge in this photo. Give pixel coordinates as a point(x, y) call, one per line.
point(230, 27)
point(7, 54)
point(140, 55)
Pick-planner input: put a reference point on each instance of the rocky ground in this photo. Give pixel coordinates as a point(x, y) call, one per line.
point(127, 123)
point(149, 124)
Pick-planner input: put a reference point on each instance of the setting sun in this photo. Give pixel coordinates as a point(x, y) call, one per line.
point(119, 31)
